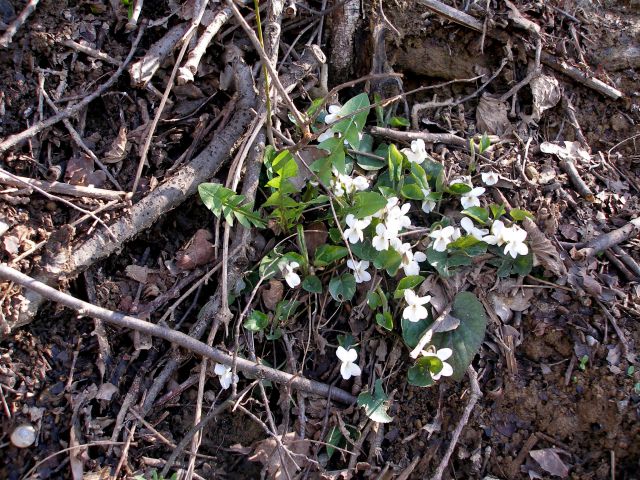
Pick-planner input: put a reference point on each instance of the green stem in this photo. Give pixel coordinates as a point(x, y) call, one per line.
point(265, 72)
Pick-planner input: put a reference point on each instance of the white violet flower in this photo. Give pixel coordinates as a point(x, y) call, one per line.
point(333, 115)
point(490, 178)
point(417, 153)
point(225, 375)
point(471, 229)
point(348, 368)
point(359, 270)
point(326, 135)
point(355, 232)
point(470, 199)
point(442, 238)
point(514, 239)
point(411, 262)
point(383, 237)
point(414, 312)
point(497, 234)
point(291, 277)
point(427, 205)
point(397, 217)
point(383, 212)
point(442, 354)
point(360, 184)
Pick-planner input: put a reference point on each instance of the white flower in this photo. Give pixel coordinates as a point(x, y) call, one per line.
point(442, 354)
point(396, 218)
point(355, 233)
point(417, 153)
point(326, 135)
point(383, 237)
point(442, 238)
point(497, 234)
point(348, 368)
point(470, 199)
point(225, 375)
point(471, 229)
point(382, 213)
point(410, 262)
point(359, 270)
point(333, 115)
point(514, 238)
point(490, 178)
point(414, 312)
point(291, 277)
point(360, 184)
point(427, 205)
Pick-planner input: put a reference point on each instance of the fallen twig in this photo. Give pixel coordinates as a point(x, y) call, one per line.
point(92, 52)
point(474, 396)
point(627, 260)
point(546, 58)
point(446, 138)
point(7, 36)
point(185, 341)
point(59, 187)
point(569, 166)
point(72, 109)
point(608, 240)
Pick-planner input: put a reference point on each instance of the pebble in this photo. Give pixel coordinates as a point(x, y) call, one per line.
point(23, 436)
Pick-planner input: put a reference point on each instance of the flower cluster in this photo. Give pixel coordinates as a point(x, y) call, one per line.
point(343, 184)
point(511, 237)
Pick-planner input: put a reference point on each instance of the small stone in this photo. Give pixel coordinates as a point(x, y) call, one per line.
point(23, 436)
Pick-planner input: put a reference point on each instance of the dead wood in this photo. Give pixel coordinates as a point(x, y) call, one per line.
point(345, 22)
point(7, 36)
point(446, 138)
point(61, 188)
point(608, 240)
point(164, 198)
point(559, 65)
point(181, 339)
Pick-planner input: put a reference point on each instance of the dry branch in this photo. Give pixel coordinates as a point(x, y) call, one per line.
point(252, 368)
point(92, 52)
point(61, 188)
point(7, 36)
point(446, 138)
point(468, 21)
point(608, 240)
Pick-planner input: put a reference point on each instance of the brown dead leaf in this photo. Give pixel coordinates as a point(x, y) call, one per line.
point(491, 116)
point(11, 244)
point(549, 460)
point(315, 235)
point(138, 273)
point(119, 148)
point(81, 171)
point(284, 462)
point(198, 252)
point(546, 94)
point(544, 250)
point(272, 294)
point(509, 299)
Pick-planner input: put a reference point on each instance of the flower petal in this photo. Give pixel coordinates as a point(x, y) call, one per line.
point(444, 353)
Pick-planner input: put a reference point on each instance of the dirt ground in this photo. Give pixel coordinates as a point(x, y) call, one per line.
point(558, 373)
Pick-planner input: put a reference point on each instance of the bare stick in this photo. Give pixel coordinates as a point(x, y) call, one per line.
point(60, 188)
point(608, 240)
point(475, 395)
point(300, 120)
point(190, 67)
point(572, 72)
point(6, 38)
point(53, 197)
point(92, 52)
point(583, 189)
point(135, 14)
point(446, 138)
point(627, 260)
point(72, 109)
point(197, 16)
point(182, 340)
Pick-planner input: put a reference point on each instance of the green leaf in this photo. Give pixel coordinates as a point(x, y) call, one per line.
point(420, 373)
point(412, 281)
point(375, 406)
point(412, 191)
point(438, 260)
point(285, 309)
point(397, 122)
point(479, 214)
point(326, 254)
point(343, 288)
point(465, 340)
point(394, 159)
point(412, 331)
point(367, 203)
point(333, 440)
point(420, 176)
point(312, 284)
point(270, 264)
point(366, 162)
point(523, 264)
point(519, 215)
point(256, 321)
point(336, 157)
point(373, 300)
point(459, 188)
point(385, 320)
point(497, 210)
point(485, 143)
point(364, 251)
point(389, 260)
point(352, 126)
point(225, 202)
